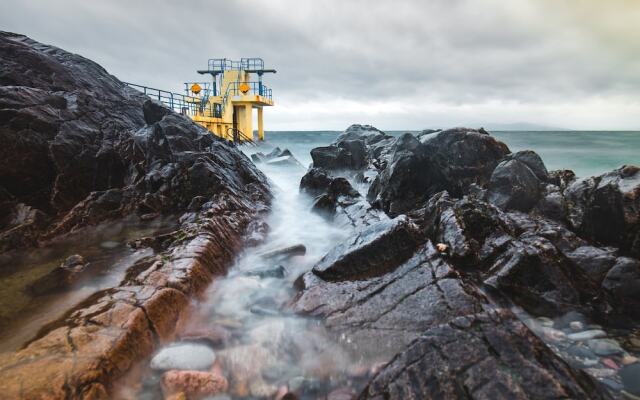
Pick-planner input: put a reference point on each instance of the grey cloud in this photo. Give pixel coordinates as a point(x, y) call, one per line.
point(452, 52)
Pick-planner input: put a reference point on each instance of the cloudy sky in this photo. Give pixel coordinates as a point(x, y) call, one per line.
point(395, 64)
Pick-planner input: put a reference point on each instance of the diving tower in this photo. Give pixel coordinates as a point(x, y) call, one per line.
point(224, 103)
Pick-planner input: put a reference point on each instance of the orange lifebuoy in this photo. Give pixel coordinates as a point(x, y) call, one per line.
point(244, 88)
point(195, 88)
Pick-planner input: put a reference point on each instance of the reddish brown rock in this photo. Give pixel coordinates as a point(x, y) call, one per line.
point(195, 384)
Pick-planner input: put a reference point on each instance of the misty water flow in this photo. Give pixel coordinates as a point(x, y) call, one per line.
point(266, 346)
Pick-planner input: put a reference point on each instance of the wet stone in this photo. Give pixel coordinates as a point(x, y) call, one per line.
point(605, 347)
point(630, 376)
point(587, 335)
point(268, 272)
point(186, 356)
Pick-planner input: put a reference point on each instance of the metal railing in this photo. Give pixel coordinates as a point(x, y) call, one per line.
point(180, 103)
point(224, 64)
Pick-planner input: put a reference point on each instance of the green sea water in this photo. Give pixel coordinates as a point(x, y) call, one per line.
point(587, 153)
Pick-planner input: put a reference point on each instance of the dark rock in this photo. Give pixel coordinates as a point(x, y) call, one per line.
point(276, 157)
point(532, 160)
point(367, 133)
point(80, 147)
point(332, 158)
point(623, 282)
point(552, 203)
point(373, 252)
point(630, 375)
point(154, 111)
point(606, 208)
point(315, 182)
point(594, 261)
point(484, 356)
point(268, 272)
point(338, 191)
point(450, 160)
point(562, 178)
point(388, 311)
point(513, 186)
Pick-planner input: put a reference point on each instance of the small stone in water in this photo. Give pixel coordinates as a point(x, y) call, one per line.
point(442, 248)
point(109, 244)
point(610, 363)
point(576, 325)
point(612, 383)
point(184, 357)
point(605, 347)
point(600, 372)
point(544, 321)
point(553, 335)
point(586, 335)
point(627, 360)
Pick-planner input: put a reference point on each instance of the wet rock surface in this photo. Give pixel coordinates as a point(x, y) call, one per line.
point(509, 233)
point(81, 148)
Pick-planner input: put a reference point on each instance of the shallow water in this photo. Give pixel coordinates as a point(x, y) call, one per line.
point(104, 248)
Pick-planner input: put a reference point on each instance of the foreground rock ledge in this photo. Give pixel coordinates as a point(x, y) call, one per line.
point(81, 148)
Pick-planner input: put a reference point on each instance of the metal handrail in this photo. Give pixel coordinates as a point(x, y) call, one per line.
point(239, 137)
point(185, 105)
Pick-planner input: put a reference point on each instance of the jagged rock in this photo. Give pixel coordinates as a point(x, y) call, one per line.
point(513, 186)
point(532, 160)
point(484, 356)
point(367, 133)
point(373, 252)
point(623, 282)
point(552, 203)
point(389, 310)
point(315, 182)
point(450, 160)
point(23, 225)
point(76, 146)
point(606, 208)
point(594, 261)
point(338, 191)
point(276, 157)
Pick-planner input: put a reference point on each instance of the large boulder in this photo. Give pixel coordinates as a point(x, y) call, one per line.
point(606, 208)
point(513, 186)
point(450, 160)
point(373, 252)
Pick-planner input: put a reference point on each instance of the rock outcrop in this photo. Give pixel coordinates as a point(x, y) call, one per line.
point(79, 147)
point(485, 229)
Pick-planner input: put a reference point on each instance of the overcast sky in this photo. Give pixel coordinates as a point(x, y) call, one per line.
point(394, 64)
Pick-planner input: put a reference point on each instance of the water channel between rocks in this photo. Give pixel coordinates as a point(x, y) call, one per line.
point(260, 346)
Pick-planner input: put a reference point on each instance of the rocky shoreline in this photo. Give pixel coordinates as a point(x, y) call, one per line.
point(474, 271)
point(79, 148)
point(464, 232)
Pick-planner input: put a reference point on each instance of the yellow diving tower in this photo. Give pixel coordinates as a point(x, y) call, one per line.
point(224, 105)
